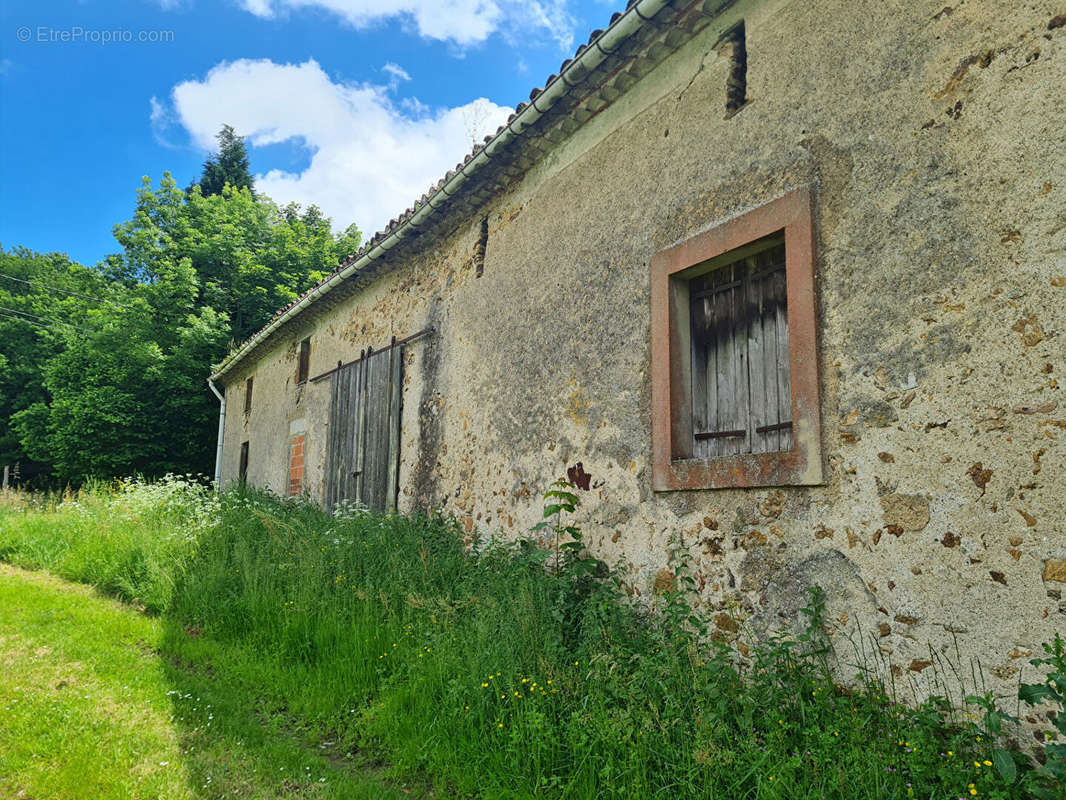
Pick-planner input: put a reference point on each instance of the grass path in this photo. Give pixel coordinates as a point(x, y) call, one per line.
point(89, 707)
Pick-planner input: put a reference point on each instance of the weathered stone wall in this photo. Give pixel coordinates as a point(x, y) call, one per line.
point(934, 139)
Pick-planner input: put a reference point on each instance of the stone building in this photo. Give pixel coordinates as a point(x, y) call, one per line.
point(787, 277)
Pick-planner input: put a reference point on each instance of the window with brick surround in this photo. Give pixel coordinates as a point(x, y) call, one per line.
point(297, 453)
point(734, 357)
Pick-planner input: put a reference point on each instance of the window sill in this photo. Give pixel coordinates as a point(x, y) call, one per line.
point(748, 470)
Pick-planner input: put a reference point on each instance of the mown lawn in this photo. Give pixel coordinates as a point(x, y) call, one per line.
point(89, 708)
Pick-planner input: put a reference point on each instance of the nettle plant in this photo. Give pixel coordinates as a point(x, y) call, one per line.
point(1050, 779)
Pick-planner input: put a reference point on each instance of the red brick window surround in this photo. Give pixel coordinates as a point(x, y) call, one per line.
point(297, 451)
point(734, 367)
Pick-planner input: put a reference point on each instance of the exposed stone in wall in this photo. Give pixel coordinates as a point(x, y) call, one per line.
point(1055, 570)
point(786, 592)
point(907, 512)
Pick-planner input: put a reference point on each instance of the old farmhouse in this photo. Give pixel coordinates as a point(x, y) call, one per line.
point(787, 277)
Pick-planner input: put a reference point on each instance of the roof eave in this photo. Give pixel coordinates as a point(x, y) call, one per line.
point(601, 46)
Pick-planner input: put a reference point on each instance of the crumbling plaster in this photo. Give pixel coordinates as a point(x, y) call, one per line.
point(940, 190)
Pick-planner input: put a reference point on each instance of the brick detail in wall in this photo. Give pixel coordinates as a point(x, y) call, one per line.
point(296, 464)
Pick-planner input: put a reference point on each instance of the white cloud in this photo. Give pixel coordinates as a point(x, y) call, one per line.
point(371, 157)
point(161, 118)
point(396, 74)
point(462, 21)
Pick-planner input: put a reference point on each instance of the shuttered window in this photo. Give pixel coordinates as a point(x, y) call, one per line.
point(242, 470)
point(735, 395)
point(248, 396)
point(741, 396)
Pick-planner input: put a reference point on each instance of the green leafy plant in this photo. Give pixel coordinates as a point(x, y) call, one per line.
point(1050, 779)
point(559, 499)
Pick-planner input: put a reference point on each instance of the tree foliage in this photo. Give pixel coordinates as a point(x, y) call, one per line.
point(116, 385)
point(228, 167)
point(249, 256)
point(34, 325)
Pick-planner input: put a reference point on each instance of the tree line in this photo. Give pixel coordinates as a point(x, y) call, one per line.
point(103, 367)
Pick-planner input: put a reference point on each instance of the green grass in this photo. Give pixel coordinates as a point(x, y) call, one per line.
point(91, 707)
point(478, 669)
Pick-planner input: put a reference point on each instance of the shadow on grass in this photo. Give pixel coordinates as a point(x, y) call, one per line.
point(240, 738)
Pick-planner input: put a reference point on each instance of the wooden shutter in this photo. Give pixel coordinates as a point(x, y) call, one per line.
point(363, 452)
point(741, 398)
point(242, 470)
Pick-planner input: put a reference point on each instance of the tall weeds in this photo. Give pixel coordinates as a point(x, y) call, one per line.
point(501, 670)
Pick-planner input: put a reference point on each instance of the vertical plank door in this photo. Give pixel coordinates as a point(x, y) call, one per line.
point(363, 453)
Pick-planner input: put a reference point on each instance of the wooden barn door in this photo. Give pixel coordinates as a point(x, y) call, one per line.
point(363, 456)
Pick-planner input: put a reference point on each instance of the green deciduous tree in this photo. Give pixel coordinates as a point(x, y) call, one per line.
point(114, 388)
point(41, 305)
point(251, 257)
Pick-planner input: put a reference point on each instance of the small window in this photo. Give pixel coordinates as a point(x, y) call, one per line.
point(248, 396)
point(242, 472)
point(735, 396)
point(303, 365)
point(734, 44)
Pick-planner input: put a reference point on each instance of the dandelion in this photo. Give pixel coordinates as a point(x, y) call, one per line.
point(988, 763)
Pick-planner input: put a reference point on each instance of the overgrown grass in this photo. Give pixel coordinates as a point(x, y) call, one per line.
point(129, 538)
point(499, 676)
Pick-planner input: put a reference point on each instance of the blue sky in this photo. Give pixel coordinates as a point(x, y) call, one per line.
point(356, 105)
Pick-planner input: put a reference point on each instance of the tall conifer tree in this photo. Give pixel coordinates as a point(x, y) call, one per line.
point(228, 166)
